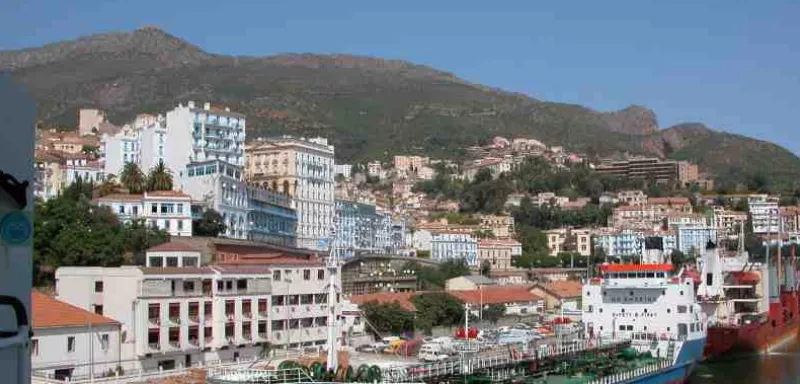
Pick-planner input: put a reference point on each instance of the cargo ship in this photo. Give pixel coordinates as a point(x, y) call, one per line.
point(653, 307)
point(751, 307)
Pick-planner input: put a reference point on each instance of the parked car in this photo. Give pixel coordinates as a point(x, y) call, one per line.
point(366, 348)
point(432, 352)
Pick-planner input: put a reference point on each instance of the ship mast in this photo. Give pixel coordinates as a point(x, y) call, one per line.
point(332, 265)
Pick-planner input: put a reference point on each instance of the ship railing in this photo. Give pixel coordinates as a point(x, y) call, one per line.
point(634, 374)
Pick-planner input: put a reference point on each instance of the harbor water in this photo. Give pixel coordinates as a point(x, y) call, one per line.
point(778, 367)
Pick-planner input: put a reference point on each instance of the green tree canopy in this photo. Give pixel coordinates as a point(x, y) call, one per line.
point(210, 224)
point(132, 178)
point(159, 178)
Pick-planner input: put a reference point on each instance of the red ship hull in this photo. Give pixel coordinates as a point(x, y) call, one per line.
point(781, 326)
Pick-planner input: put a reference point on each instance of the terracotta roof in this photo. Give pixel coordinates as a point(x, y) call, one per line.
point(47, 312)
point(273, 259)
point(668, 200)
point(562, 289)
point(636, 267)
point(173, 246)
point(402, 298)
point(121, 197)
point(177, 270)
point(496, 295)
point(166, 194)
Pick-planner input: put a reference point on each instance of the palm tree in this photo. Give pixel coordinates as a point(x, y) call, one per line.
point(160, 178)
point(132, 178)
point(109, 186)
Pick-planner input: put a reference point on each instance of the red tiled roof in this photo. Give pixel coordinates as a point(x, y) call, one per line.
point(402, 298)
point(173, 246)
point(271, 259)
point(166, 194)
point(637, 267)
point(121, 197)
point(562, 289)
point(496, 295)
point(668, 200)
point(47, 312)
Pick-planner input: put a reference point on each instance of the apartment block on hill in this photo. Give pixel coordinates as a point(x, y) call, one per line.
point(569, 240)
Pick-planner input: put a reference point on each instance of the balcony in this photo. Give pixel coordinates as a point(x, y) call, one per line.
point(194, 341)
point(263, 314)
point(194, 319)
point(154, 347)
point(175, 320)
point(247, 315)
point(175, 344)
point(154, 321)
point(230, 316)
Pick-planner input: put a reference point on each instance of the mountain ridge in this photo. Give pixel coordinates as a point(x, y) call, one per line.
point(367, 106)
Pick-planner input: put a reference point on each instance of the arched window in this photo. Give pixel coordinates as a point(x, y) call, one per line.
point(286, 187)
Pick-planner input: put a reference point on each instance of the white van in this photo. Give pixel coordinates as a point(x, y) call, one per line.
point(432, 352)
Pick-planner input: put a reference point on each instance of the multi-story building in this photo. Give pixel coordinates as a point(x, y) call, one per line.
point(670, 204)
point(692, 240)
point(173, 254)
point(370, 273)
point(641, 168)
point(764, 214)
point(687, 173)
point(120, 148)
point(633, 197)
point(178, 316)
point(89, 120)
point(410, 163)
point(618, 243)
point(166, 210)
point(218, 185)
point(569, 240)
point(643, 217)
point(271, 217)
point(494, 165)
point(375, 169)
point(677, 220)
point(343, 169)
point(548, 198)
point(790, 220)
point(498, 253)
point(450, 245)
point(360, 228)
point(302, 169)
point(502, 226)
point(67, 338)
point(426, 173)
point(48, 176)
point(76, 166)
point(195, 134)
point(729, 223)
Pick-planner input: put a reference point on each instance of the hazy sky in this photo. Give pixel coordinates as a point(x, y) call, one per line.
point(734, 65)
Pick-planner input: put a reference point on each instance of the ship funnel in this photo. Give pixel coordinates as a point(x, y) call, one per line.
point(711, 284)
point(653, 250)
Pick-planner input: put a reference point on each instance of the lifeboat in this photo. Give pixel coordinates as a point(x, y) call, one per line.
point(747, 277)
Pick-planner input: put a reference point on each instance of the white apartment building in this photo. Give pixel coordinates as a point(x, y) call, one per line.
point(677, 220)
point(343, 169)
point(179, 316)
point(448, 245)
point(197, 134)
point(633, 197)
point(166, 210)
point(67, 338)
point(79, 166)
point(304, 170)
point(375, 169)
point(729, 223)
point(499, 253)
point(219, 186)
point(120, 148)
point(764, 214)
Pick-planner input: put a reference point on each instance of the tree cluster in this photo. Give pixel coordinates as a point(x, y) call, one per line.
point(434, 278)
point(71, 231)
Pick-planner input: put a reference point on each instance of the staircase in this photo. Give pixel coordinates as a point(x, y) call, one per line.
point(671, 352)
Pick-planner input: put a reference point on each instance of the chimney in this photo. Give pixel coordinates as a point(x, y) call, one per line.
point(191, 104)
point(207, 106)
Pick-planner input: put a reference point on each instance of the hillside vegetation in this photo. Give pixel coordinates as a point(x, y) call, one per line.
point(369, 107)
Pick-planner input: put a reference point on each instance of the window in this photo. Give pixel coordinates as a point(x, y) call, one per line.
point(98, 286)
point(180, 225)
point(104, 341)
point(152, 336)
point(241, 284)
point(180, 208)
point(98, 309)
point(190, 262)
point(71, 344)
point(320, 274)
point(188, 286)
point(621, 327)
point(156, 262)
point(306, 274)
point(172, 261)
point(207, 309)
point(122, 209)
point(681, 309)
point(229, 285)
point(153, 208)
point(34, 347)
point(276, 275)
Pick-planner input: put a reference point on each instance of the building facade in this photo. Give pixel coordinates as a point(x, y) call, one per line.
point(633, 197)
point(641, 168)
point(692, 240)
point(729, 223)
point(303, 169)
point(271, 217)
point(452, 245)
point(499, 254)
point(166, 210)
point(501, 226)
point(569, 240)
point(66, 338)
point(177, 317)
point(360, 228)
point(764, 214)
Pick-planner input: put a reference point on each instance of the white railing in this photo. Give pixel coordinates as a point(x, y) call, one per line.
point(633, 373)
point(138, 376)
